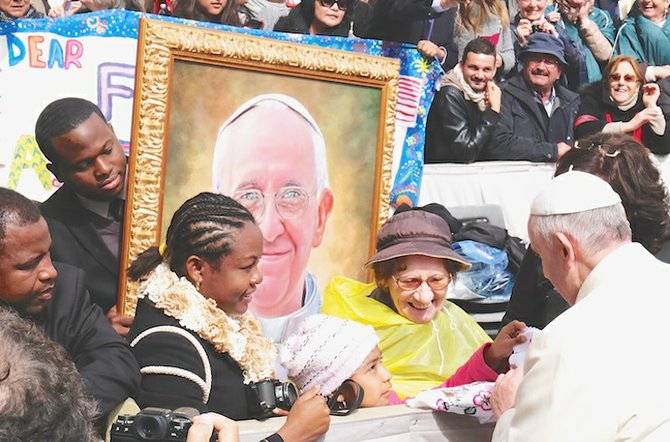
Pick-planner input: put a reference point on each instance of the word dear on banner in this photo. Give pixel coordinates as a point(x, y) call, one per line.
point(44, 52)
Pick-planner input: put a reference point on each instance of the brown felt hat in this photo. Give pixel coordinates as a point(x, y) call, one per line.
point(416, 232)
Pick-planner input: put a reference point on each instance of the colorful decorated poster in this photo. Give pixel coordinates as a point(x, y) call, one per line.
point(93, 56)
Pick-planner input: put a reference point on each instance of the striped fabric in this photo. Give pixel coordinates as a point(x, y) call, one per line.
point(409, 95)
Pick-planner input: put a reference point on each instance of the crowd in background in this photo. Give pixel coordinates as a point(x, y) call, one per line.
point(589, 87)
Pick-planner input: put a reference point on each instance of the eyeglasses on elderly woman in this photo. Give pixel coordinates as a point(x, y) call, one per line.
point(628, 78)
point(435, 282)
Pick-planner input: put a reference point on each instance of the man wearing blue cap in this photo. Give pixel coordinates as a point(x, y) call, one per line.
point(537, 114)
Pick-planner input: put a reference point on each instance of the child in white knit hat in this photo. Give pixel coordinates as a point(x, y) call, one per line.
point(327, 350)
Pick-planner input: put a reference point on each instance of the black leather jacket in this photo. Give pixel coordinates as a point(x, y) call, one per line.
point(410, 21)
point(456, 130)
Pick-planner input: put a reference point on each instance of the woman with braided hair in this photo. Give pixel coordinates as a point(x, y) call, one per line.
point(193, 338)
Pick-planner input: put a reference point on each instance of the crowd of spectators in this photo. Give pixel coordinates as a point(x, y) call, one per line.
point(580, 41)
point(565, 80)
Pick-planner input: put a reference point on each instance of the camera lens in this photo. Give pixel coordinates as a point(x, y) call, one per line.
point(291, 394)
point(151, 427)
point(287, 394)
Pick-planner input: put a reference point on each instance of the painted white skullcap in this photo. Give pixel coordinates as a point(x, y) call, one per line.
point(574, 192)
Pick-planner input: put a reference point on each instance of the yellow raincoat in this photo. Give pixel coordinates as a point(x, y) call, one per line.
point(419, 356)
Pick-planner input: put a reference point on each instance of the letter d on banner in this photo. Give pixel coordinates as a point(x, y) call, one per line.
point(13, 44)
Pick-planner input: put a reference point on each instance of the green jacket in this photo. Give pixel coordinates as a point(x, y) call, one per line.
point(605, 25)
point(639, 37)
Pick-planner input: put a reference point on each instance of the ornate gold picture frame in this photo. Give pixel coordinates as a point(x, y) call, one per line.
point(189, 80)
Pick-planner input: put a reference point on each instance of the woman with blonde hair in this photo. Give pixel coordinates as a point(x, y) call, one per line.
point(487, 19)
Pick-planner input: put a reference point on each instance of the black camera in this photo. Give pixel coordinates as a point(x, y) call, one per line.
point(536, 28)
point(155, 424)
point(273, 393)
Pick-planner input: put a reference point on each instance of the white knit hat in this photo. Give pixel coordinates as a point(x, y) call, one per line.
point(574, 192)
point(326, 351)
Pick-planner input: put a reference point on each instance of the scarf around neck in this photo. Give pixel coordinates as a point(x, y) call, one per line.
point(455, 78)
point(239, 336)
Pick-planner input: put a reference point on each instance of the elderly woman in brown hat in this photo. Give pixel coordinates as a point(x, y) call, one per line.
point(424, 338)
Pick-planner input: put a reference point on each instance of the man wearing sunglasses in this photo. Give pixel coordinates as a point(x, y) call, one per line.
point(270, 156)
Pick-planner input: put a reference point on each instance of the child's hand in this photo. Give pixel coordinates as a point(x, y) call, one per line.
point(502, 346)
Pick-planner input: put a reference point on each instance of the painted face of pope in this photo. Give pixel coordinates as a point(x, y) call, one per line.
point(270, 157)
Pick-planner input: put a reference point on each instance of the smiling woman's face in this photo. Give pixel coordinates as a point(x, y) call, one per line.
point(532, 9)
point(422, 304)
point(325, 16)
point(654, 10)
point(623, 83)
point(15, 8)
point(212, 7)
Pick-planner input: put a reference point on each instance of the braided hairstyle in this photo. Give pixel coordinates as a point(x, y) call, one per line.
point(203, 226)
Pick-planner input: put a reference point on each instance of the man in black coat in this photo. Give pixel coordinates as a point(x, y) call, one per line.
point(428, 24)
point(466, 109)
point(537, 114)
point(54, 297)
point(85, 215)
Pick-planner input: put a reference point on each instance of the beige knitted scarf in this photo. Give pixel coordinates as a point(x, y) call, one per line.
point(455, 78)
point(239, 336)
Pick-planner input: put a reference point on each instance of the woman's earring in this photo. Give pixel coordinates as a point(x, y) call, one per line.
point(197, 285)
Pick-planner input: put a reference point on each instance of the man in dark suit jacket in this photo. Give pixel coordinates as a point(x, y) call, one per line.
point(55, 298)
point(537, 114)
point(84, 215)
point(428, 24)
